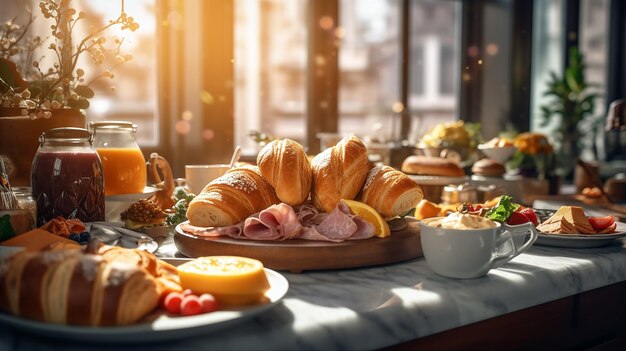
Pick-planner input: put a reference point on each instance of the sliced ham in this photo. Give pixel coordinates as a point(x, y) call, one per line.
point(282, 222)
point(277, 222)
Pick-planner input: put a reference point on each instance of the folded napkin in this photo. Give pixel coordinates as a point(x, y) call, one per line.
point(113, 233)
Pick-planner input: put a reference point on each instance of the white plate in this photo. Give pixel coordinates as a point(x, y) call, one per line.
point(147, 192)
point(162, 327)
point(438, 180)
point(581, 240)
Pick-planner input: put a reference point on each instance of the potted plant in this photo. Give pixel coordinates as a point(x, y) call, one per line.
point(571, 107)
point(33, 98)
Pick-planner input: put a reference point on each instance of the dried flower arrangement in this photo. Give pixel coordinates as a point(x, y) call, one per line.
point(38, 91)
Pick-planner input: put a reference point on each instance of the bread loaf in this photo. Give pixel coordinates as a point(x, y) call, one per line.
point(88, 288)
point(432, 166)
point(284, 164)
point(338, 173)
point(231, 198)
point(390, 192)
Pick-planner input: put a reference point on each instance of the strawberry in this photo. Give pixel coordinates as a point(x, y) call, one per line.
point(517, 218)
point(601, 223)
point(530, 214)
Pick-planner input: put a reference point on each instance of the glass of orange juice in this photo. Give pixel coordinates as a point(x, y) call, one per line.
point(123, 163)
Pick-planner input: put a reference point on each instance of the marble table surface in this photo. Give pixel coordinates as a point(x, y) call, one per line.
point(370, 308)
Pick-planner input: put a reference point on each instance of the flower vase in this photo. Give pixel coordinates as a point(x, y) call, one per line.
point(19, 138)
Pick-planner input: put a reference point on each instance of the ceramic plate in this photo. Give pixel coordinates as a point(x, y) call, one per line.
point(581, 240)
point(160, 326)
point(438, 180)
point(147, 192)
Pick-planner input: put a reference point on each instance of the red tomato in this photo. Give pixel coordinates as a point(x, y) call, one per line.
point(190, 306)
point(187, 292)
point(517, 218)
point(172, 302)
point(600, 223)
point(208, 303)
point(530, 214)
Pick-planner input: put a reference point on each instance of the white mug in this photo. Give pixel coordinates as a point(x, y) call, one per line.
point(198, 176)
point(471, 253)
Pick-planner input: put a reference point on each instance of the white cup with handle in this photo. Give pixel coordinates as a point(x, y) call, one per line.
point(471, 253)
point(198, 176)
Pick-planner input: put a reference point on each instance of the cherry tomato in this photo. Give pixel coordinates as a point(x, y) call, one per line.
point(208, 303)
point(600, 223)
point(517, 218)
point(187, 292)
point(190, 306)
point(172, 302)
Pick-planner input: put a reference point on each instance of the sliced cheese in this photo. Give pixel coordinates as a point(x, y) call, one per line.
point(37, 240)
point(232, 280)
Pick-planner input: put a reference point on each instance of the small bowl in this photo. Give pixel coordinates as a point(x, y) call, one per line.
point(498, 154)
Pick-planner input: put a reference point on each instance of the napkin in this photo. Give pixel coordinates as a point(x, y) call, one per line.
point(113, 233)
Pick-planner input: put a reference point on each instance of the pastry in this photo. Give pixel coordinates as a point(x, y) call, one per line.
point(284, 164)
point(231, 198)
point(432, 166)
point(82, 286)
point(390, 192)
point(338, 173)
point(143, 214)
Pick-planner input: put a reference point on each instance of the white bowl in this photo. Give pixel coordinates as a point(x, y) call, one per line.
point(498, 154)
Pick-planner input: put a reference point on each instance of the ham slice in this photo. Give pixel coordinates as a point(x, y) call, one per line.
point(283, 222)
point(277, 222)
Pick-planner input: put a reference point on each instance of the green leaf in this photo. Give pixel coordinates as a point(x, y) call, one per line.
point(503, 210)
point(10, 75)
point(84, 91)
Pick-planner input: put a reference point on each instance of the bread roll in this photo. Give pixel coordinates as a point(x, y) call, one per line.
point(338, 173)
point(231, 198)
point(390, 192)
point(434, 166)
point(76, 287)
point(285, 165)
point(488, 168)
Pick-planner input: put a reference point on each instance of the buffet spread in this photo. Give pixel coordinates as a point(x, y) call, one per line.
point(289, 212)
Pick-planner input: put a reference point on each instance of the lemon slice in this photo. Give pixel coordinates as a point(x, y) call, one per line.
point(369, 214)
point(233, 280)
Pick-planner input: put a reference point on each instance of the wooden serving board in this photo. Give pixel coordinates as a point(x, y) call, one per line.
point(301, 255)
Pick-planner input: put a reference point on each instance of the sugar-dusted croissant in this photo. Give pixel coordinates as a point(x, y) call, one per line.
point(338, 173)
point(284, 164)
point(81, 287)
point(231, 198)
point(390, 192)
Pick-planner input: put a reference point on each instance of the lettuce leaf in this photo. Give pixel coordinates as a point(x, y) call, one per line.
point(503, 210)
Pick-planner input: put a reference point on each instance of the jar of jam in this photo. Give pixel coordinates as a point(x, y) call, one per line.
point(66, 177)
point(122, 161)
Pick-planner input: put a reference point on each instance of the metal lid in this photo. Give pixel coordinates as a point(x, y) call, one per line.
point(66, 134)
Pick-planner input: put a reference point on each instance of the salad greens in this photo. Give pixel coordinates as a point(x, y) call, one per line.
point(503, 210)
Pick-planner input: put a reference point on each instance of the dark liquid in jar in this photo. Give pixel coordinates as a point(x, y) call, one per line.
point(68, 184)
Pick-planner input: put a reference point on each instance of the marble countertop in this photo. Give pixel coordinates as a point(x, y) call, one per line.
point(370, 308)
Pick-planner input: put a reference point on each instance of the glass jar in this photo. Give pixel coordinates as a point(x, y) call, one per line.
point(25, 201)
point(67, 177)
point(122, 160)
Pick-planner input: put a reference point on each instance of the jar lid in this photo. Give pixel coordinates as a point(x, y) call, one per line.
point(112, 126)
point(66, 134)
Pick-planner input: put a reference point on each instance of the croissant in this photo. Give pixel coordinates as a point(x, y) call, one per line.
point(284, 164)
point(338, 173)
point(83, 287)
point(231, 198)
point(390, 192)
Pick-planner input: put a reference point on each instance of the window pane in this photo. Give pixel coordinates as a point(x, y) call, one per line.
point(270, 70)
point(369, 66)
point(547, 54)
point(435, 54)
point(131, 94)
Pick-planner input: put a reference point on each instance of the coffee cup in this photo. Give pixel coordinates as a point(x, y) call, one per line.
point(471, 253)
point(198, 176)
